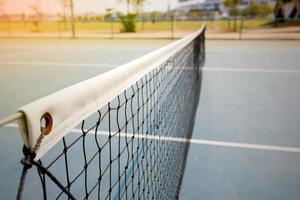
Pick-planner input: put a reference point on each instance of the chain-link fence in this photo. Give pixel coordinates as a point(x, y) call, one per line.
point(240, 28)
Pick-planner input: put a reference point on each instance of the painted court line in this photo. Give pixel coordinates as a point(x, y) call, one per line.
point(23, 52)
point(56, 64)
point(197, 141)
point(249, 70)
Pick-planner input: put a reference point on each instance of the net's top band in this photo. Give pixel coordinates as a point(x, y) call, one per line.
point(62, 111)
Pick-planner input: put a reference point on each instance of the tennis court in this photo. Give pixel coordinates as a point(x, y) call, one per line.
point(249, 95)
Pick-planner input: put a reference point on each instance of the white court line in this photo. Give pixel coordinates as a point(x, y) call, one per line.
point(56, 64)
point(22, 52)
point(197, 141)
point(249, 70)
point(115, 65)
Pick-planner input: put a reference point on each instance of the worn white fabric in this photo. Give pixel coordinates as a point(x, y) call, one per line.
point(71, 105)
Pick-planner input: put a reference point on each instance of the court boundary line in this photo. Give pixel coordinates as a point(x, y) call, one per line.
point(21, 53)
point(255, 70)
point(249, 70)
point(57, 64)
point(194, 141)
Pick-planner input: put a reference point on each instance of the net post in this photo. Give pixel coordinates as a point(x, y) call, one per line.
point(72, 19)
point(112, 28)
point(173, 25)
point(9, 29)
point(241, 28)
point(58, 29)
point(203, 43)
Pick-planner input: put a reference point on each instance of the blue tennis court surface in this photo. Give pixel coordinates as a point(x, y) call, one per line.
point(249, 96)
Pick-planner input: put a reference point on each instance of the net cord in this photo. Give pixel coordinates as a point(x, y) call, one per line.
point(70, 106)
point(30, 156)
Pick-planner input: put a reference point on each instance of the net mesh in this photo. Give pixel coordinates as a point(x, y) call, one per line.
point(134, 147)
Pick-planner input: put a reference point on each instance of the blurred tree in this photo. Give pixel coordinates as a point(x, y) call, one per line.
point(139, 9)
point(195, 14)
point(80, 18)
point(66, 5)
point(108, 15)
point(255, 10)
point(232, 5)
point(127, 5)
point(155, 15)
point(85, 18)
point(38, 14)
point(278, 11)
point(251, 10)
point(138, 5)
point(265, 10)
point(129, 21)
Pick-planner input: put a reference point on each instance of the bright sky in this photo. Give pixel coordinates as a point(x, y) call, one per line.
point(85, 6)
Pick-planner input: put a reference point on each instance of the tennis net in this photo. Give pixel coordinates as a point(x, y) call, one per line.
point(121, 135)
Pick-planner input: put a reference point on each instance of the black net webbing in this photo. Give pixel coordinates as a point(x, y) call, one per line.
point(135, 147)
